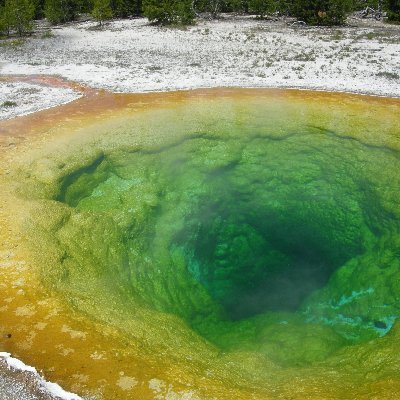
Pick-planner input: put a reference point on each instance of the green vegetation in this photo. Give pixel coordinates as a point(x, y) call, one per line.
point(321, 12)
point(169, 11)
point(389, 75)
point(59, 11)
point(8, 103)
point(102, 10)
point(17, 15)
point(260, 7)
point(393, 7)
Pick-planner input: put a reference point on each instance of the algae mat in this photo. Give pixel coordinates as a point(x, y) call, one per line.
point(211, 244)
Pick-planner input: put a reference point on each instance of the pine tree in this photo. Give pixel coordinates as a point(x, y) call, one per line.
point(137, 7)
point(60, 11)
point(321, 12)
point(260, 7)
point(120, 8)
point(393, 7)
point(39, 9)
point(83, 6)
point(169, 11)
point(4, 21)
point(17, 15)
point(240, 6)
point(102, 10)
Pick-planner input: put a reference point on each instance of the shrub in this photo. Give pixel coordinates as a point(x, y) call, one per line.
point(321, 12)
point(260, 7)
point(59, 11)
point(393, 7)
point(166, 12)
point(17, 15)
point(8, 103)
point(102, 10)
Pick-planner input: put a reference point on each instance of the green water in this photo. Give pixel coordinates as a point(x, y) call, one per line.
point(272, 235)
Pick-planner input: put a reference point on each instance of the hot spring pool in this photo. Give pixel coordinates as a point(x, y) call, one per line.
point(212, 244)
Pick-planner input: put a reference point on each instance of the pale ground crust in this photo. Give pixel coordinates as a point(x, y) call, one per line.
point(133, 56)
point(21, 382)
point(21, 98)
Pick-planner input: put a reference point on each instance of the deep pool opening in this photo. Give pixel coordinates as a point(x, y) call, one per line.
point(265, 247)
point(257, 260)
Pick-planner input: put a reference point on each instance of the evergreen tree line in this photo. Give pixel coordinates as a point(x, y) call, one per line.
point(17, 15)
